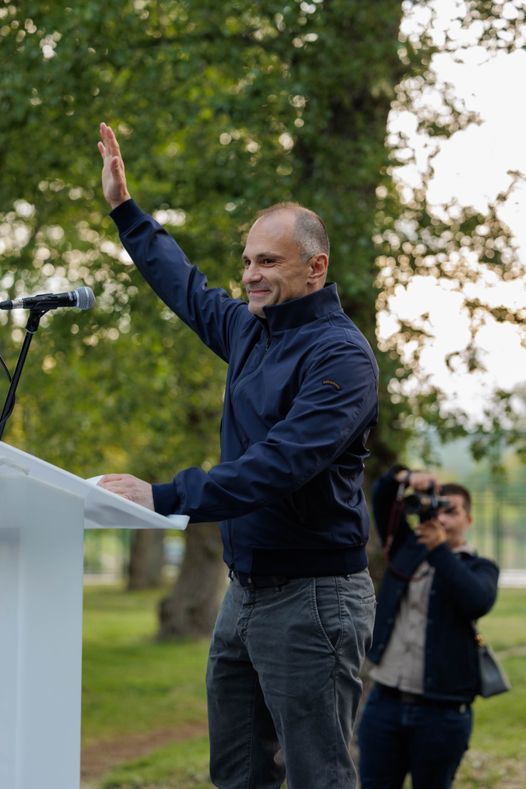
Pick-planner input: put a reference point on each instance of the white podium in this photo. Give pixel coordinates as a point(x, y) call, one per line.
point(43, 513)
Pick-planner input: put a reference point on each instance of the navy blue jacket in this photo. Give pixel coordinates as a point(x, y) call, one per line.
point(301, 397)
point(464, 588)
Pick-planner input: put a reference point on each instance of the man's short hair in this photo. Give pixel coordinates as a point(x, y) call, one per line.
point(309, 229)
point(454, 489)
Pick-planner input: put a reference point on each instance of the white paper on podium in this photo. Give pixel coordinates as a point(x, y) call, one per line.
point(102, 509)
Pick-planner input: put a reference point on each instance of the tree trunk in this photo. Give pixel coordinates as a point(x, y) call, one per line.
point(191, 607)
point(146, 559)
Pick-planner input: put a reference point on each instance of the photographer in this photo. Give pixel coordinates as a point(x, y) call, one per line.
point(418, 716)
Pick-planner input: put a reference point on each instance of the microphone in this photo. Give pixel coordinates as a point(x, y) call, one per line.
point(82, 298)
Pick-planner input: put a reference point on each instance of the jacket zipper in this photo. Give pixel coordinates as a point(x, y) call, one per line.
point(243, 378)
point(233, 389)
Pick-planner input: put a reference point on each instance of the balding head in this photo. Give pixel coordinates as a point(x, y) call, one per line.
point(309, 231)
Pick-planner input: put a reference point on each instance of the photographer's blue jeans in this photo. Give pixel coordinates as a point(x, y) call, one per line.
point(397, 739)
point(283, 684)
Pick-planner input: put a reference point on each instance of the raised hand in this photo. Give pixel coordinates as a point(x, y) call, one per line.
point(113, 175)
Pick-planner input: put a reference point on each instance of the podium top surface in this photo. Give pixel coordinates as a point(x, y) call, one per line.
point(102, 509)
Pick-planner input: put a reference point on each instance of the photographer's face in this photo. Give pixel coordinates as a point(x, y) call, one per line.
point(455, 521)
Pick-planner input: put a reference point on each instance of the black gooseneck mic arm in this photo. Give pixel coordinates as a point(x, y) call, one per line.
point(32, 325)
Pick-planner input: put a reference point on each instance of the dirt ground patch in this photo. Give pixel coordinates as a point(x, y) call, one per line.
point(100, 756)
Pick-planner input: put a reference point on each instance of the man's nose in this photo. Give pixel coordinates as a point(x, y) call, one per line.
point(251, 272)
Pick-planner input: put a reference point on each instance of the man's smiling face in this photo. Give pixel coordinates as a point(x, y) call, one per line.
point(275, 269)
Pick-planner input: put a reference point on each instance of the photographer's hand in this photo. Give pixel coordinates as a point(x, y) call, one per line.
point(421, 480)
point(431, 534)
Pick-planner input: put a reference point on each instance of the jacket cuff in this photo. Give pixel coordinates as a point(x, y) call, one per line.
point(442, 553)
point(126, 214)
point(165, 497)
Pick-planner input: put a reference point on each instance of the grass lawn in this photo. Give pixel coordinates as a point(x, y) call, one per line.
point(133, 686)
point(131, 683)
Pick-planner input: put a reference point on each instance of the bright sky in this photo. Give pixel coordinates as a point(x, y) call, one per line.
point(473, 167)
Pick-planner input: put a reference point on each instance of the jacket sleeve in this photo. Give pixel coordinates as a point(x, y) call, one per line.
point(210, 312)
point(321, 422)
point(470, 586)
point(386, 519)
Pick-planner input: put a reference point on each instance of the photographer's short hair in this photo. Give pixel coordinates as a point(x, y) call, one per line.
point(454, 489)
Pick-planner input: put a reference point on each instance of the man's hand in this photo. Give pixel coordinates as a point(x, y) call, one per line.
point(422, 480)
point(113, 175)
point(129, 488)
point(431, 534)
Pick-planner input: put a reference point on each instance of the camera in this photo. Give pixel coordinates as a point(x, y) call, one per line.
point(426, 504)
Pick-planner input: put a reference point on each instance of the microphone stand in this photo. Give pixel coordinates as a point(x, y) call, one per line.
point(32, 325)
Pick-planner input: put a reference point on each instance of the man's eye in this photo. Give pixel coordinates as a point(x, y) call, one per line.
point(260, 262)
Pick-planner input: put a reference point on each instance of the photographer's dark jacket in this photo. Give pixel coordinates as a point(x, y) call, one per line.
point(464, 588)
point(300, 400)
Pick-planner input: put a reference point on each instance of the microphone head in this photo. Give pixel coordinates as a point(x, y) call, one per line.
point(85, 298)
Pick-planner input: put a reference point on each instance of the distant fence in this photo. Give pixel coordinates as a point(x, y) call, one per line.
point(499, 532)
point(107, 553)
point(499, 527)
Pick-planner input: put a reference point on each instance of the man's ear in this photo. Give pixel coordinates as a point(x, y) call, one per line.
point(318, 266)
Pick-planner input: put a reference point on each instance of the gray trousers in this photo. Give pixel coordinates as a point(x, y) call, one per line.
point(283, 684)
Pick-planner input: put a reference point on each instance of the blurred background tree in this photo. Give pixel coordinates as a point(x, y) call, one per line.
point(221, 110)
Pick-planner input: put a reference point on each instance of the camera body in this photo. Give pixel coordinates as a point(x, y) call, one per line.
point(425, 504)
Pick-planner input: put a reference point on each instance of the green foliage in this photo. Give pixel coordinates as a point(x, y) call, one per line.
point(452, 244)
point(221, 109)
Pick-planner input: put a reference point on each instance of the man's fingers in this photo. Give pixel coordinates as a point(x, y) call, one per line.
point(120, 487)
point(108, 146)
point(129, 487)
point(110, 139)
point(116, 165)
point(103, 144)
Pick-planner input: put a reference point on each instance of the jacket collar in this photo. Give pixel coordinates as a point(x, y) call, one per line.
point(298, 312)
